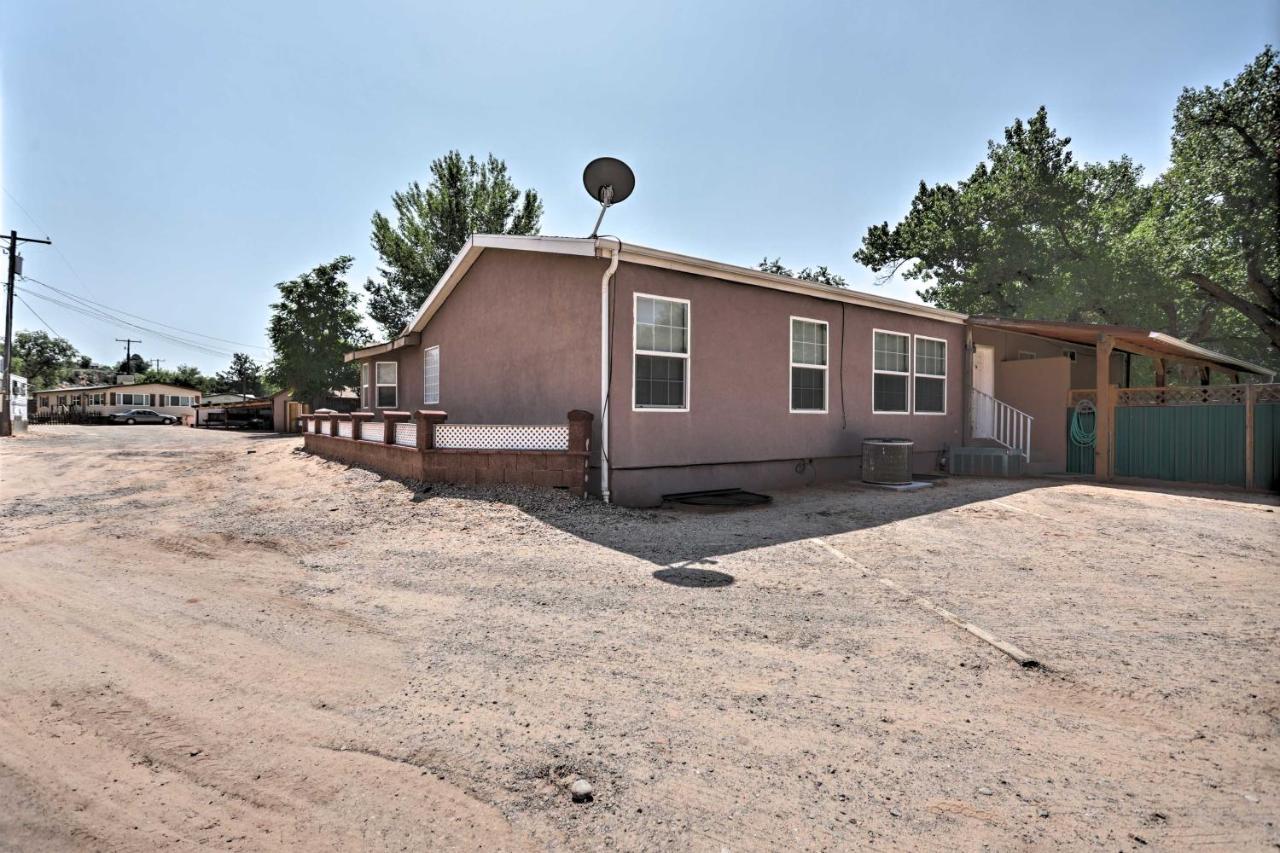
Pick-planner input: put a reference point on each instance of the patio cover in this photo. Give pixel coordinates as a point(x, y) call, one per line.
point(1127, 339)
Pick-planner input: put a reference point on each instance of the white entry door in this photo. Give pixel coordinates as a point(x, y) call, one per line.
point(984, 380)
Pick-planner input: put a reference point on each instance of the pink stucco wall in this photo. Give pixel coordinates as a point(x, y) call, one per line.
point(519, 343)
point(1039, 388)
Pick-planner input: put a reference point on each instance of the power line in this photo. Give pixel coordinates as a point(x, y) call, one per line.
point(55, 248)
point(105, 307)
point(38, 317)
point(103, 316)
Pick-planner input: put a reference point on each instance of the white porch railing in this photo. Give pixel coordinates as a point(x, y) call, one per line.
point(1001, 423)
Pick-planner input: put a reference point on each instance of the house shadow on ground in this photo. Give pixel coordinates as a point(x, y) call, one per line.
point(682, 542)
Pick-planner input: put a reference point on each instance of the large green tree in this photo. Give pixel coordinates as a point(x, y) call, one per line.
point(316, 322)
point(464, 197)
point(1215, 220)
point(42, 358)
point(1034, 233)
point(1030, 233)
point(244, 376)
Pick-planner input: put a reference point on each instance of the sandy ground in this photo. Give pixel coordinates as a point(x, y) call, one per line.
point(215, 639)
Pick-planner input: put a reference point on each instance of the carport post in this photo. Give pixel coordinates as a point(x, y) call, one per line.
point(1105, 402)
point(1250, 408)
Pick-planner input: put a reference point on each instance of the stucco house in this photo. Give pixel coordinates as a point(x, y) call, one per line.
point(701, 375)
point(717, 376)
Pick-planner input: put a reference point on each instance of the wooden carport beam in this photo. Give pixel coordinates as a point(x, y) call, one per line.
point(1160, 374)
point(1105, 403)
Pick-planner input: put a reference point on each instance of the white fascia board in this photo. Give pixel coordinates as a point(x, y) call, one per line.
point(1210, 355)
point(477, 243)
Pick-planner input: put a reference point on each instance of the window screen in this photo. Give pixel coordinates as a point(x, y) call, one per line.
point(661, 353)
point(431, 375)
point(891, 371)
point(931, 376)
point(385, 375)
point(808, 365)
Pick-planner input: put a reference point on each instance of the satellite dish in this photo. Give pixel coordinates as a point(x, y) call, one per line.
point(608, 180)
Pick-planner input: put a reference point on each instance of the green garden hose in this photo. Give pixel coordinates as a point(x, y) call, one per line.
point(1080, 436)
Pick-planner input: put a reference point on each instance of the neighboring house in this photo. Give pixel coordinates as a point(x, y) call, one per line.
point(219, 399)
point(278, 412)
point(722, 376)
point(17, 399)
point(175, 400)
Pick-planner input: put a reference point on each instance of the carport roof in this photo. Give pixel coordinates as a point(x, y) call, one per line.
point(1126, 338)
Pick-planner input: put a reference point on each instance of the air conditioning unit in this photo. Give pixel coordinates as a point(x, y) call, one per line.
point(887, 461)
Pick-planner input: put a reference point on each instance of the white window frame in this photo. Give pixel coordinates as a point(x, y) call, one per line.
point(377, 386)
point(1026, 355)
point(824, 367)
point(366, 400)
point(426, 393)
point(687, 355)
point(874, 370)
point(946, 366)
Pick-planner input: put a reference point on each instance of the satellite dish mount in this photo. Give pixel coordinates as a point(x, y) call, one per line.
point(608, 180)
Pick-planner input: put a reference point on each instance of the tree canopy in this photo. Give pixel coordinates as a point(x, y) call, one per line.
point(42, 358)
point(464, 197)
point(1215, 217)
point(821, 274)
point(316, 322)
point(244, 376)
point(1034, 233)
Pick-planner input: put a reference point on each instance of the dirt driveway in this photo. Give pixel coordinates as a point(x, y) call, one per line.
point(216, 639)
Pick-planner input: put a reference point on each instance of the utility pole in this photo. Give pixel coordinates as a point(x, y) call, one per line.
point(155, 362)
point(128, 352)
point(6, 413)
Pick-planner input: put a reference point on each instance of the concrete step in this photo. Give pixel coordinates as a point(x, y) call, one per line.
point(987, 462)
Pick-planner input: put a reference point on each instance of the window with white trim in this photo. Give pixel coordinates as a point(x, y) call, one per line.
point(179, 400)
point(930, 395)
point(135, 400)
point(808, 365)
point(365, 402)
point(431, 376)
point(661, 353)
point(386, 376)
point(891, 373)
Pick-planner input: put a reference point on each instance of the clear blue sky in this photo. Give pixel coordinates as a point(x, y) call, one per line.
point(187, 156)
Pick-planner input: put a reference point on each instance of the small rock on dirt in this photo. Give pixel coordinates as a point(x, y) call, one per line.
point(985, 791)
point(582, 791)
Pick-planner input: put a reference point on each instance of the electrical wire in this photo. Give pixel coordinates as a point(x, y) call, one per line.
point(52, 245)
point(43, 322)
point(108, 308)
point(105, 317)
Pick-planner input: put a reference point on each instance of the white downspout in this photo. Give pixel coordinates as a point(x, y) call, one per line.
point(604, 371)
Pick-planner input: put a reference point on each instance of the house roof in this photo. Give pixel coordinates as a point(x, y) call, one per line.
point(62, 389)
point(603, 247)
point(1127, 338)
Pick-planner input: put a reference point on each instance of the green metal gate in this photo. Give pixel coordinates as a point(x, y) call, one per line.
point(1190, 444)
